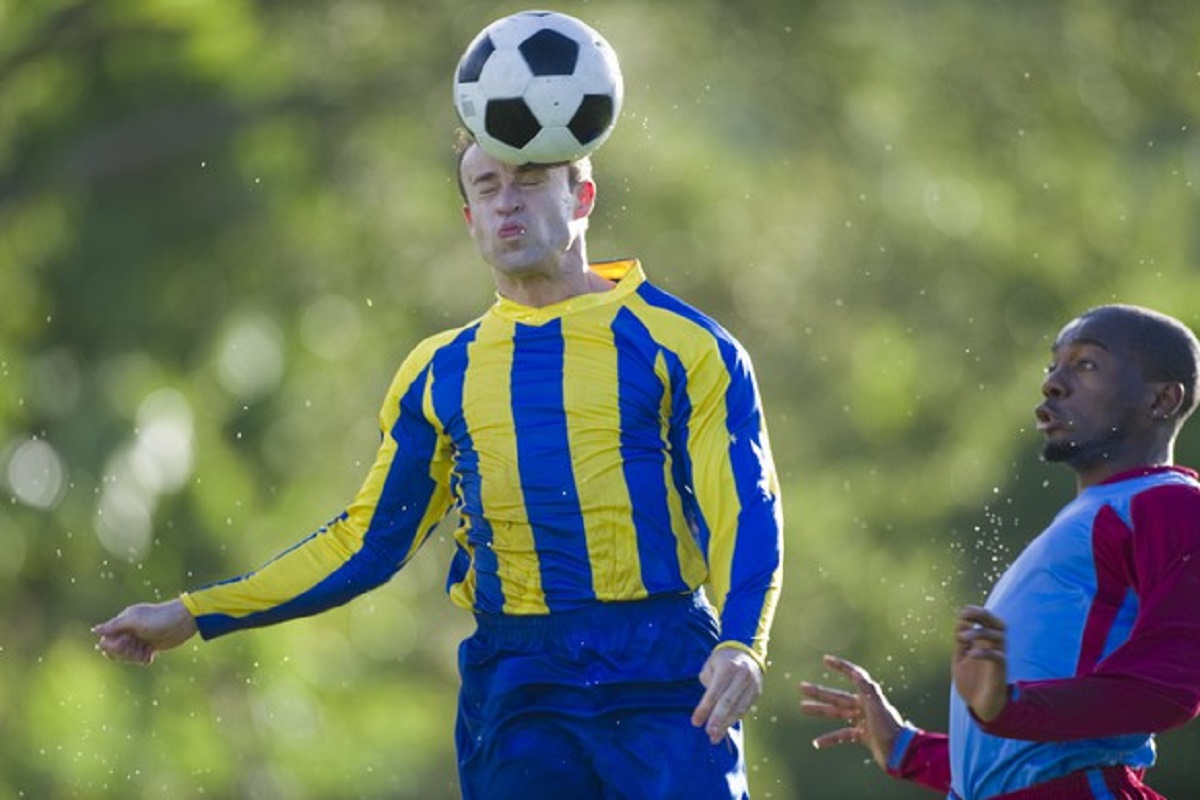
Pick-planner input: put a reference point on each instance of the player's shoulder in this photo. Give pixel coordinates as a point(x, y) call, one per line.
point(434, 342)
point(1175, 480)
point(426, 350)
point(1174, 491)
point(684, 318)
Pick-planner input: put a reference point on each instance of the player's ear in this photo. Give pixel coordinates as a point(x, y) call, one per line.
point(1168, 400)
point(466, 213)
point(585, 199)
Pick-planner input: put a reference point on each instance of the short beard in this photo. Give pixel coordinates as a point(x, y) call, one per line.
point(1058, 452)
point(1081, 455)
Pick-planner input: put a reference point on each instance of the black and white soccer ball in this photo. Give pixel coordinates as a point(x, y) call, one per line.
point(538, 87)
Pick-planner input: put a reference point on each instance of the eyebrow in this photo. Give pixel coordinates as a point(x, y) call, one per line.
point(489, 175)
point(521, 169)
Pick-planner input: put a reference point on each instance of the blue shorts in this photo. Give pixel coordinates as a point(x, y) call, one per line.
point(593, 704)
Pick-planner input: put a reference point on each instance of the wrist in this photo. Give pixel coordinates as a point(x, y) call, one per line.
point(993, 706)
point(736, 646)
point(897, 749)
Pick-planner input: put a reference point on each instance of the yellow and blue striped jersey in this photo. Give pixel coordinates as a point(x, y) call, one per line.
point(609, 447)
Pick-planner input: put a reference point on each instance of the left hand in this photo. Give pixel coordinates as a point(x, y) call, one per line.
point(732, 681)
point(980, 663)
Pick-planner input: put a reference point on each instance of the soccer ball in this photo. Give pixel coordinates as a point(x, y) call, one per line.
point(538, 87)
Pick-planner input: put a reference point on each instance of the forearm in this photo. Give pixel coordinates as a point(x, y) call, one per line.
point(1091, 707)
point(324, 571)
point(395, 510)
point(747, 616)
point(1151, 681)
point(740, 524)
point(289, 586)
point(747, 566)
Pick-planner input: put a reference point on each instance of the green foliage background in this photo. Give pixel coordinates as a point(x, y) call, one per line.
point(223, 223)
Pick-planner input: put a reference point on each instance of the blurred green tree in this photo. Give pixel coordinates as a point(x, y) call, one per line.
point(222, 223)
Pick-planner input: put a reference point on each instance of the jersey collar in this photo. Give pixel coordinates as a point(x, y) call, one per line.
point(627, 273)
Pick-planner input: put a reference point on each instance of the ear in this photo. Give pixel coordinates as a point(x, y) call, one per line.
point(466, 210)
point(585, 199)
point(1168, 400)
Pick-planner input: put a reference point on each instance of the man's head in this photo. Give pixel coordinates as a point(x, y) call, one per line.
point(1121, 382)
point(529, 219)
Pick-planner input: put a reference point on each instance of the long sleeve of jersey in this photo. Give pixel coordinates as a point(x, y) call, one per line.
point(405, 494)
point(1151, 682)
point(730, 489)
point(611, 447)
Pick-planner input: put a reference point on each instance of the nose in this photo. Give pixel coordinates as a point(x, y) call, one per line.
point(1054, 385)
point(510, 198)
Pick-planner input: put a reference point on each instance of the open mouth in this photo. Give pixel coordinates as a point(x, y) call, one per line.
point(1048, 420)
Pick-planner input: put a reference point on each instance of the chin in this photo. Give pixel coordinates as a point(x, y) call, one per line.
point(1058, 452)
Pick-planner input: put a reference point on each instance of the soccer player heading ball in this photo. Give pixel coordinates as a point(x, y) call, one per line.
point(619, 537)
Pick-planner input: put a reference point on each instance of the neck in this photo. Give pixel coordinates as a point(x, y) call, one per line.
point(568, 277)
point(1102, 470)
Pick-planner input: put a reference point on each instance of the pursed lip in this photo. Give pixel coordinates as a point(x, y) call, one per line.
point(510, 230)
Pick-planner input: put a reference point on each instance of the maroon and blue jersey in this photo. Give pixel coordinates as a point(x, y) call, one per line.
point(1103, 644)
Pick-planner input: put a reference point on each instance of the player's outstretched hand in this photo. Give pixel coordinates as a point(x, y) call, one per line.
point(732, 682)
point(870, 718)
point(141, 631)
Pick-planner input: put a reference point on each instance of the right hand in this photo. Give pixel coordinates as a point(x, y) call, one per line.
point(872, 721)
point(139, 632)
point(980, 666)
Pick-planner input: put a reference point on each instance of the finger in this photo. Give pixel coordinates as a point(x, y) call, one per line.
point(840, 664)
point(107, 628)
point(980, 653)
point(831, 708)
point(114, 647)
point(712, 716)
point(111, 645)
point(834, 738)
point(126, 648)
point(733, 704)
point(858, 676)
point(981, 637)
point(978, 616)
point(866, 691)
point(828, 694)
point(716, 683)
point(826, 711)
point(717, 728)
point(705, 707)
